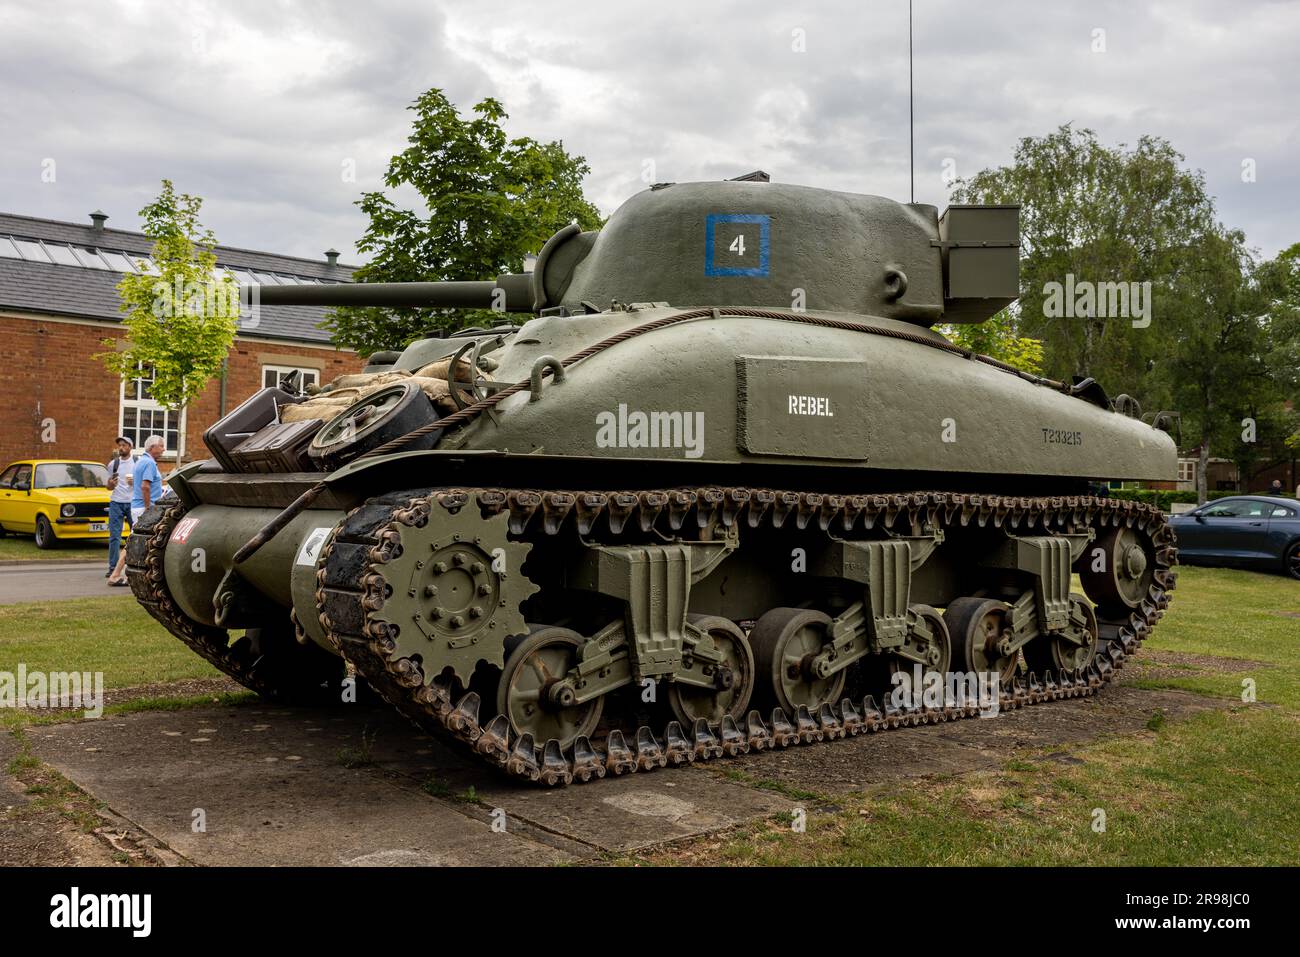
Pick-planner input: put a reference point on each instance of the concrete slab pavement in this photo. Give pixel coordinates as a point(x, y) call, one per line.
point(971, 745)
point(273, 787)
point(360, 785)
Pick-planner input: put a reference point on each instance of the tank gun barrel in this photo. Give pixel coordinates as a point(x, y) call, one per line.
point(514, 294)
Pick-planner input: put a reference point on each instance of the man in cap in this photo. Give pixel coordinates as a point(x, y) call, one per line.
point(146, 489)
point(119, 504)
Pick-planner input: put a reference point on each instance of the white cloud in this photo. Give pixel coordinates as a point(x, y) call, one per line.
point(255, 104)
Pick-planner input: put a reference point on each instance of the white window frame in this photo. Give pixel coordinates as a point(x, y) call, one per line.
point(1187, 470)
point(282, 371)
point(147, 405)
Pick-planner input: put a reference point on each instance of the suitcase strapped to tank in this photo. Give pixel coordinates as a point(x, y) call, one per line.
point(279, 447)
point(248, 418)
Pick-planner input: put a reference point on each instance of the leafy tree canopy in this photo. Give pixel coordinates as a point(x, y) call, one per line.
point(1098, 214)
point(1217, 337)
point(183, 320)
point(488, 202)
point(997, 337)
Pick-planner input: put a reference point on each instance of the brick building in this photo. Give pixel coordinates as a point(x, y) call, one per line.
point(58, 303)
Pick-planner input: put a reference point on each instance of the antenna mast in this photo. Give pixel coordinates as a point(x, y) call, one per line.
point(911, 110)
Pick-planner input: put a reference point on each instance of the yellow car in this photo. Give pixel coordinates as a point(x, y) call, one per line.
point(55, 500)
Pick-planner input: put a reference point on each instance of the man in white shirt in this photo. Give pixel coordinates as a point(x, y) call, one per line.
point(146, 489)
point(120, 470)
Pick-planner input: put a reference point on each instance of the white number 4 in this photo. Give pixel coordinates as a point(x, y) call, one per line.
point(738, 245)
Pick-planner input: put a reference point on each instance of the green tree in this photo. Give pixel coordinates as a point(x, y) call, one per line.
point(1221, 345)
point(997, 337)
point(488, 202)
point(1099, 214)
point(1217, 373)
point(1280, 281)
point(182, 321)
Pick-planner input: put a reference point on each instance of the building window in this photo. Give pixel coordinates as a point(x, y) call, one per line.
point(61, 254)
point(89, 258)
point(272, 376)
point(142, 416)
point(32, 251)
point(1187, 470)
point(118, 262)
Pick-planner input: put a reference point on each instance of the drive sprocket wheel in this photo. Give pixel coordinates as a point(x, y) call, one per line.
point(457, 586)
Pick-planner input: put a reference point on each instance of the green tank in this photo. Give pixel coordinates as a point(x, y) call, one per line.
point(727, 490)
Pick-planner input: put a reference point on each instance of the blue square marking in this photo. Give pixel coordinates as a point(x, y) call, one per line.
point(764, 224)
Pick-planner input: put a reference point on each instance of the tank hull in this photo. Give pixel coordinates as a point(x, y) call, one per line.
point(771, 393)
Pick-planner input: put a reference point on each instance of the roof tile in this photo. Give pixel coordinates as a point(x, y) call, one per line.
point(92, 293)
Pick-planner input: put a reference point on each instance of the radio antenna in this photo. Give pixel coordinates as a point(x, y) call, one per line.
point(911, 110)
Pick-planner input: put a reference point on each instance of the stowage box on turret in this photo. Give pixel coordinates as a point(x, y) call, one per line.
point(727, 490)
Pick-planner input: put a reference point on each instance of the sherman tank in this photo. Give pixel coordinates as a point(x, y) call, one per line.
point(727, 490)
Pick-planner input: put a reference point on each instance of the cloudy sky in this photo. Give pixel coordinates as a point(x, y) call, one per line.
point(261, 106)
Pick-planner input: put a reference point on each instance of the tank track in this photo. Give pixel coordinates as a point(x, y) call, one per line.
point(348, 616)
point(263, 672)
point(144, 571)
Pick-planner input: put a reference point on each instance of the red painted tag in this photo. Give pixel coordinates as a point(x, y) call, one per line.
point(182, 531)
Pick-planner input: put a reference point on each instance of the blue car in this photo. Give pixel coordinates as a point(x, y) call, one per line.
point(1244, 531)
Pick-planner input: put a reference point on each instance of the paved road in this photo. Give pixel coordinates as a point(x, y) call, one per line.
point(44, 581)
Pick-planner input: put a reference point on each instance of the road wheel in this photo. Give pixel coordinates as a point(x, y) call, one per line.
point(976, 626)
point(535, 664)
point(932, 641)
point(785, 642)
point(1050, 653)
point(370, 422)
point(45, 537)
point(1292, 562)
point(689, 702)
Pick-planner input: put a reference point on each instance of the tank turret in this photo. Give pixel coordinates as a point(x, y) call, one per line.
point(750, 243)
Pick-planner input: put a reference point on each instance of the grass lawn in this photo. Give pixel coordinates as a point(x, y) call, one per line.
point(14, 548)
point(110, 635)
point(1220, 788)
point(1235, 614)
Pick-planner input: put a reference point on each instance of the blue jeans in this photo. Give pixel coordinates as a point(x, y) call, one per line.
point(117, 514)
